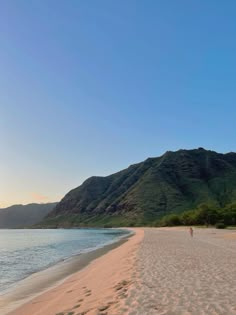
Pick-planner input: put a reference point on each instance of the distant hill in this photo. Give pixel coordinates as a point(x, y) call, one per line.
point(18, 216)
point(142, 193)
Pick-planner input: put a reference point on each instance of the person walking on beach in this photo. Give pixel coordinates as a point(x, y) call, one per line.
point(191, 231)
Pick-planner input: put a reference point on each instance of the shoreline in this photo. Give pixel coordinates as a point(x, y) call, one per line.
point(100, 285)
point(44, 280)
point(156, 271)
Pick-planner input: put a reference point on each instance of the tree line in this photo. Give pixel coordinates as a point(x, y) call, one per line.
point(204, 214)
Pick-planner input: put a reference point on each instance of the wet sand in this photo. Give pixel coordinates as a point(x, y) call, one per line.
point(93, 288)
point(51, 277)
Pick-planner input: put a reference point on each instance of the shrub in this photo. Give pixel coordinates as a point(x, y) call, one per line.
point(220, 225)
point(108, 226)
point(132, 224)
point(171, 220)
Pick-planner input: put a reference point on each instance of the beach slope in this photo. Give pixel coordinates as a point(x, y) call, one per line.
point(157, 271)
point(98, 287)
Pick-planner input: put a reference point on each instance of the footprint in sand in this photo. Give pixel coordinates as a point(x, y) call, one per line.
point(83, 313)
point(122, 288)
point(88, 292)
point(121, 285)
point(77, 306)
point(102, 309)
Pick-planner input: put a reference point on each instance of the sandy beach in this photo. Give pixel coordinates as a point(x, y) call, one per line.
point(179, 275)
point(94, 288)
point(157, 271)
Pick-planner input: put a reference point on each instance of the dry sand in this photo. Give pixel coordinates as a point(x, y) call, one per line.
point(164, 272)
point(179, 275)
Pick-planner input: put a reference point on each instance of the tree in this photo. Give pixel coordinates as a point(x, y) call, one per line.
point(206, 215)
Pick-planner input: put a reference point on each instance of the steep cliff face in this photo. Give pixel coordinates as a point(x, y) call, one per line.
point(145, 191)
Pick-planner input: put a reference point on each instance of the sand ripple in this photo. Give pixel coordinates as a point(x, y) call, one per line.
point(179, 275)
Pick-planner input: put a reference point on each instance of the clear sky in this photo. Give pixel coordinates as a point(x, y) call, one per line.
point(89, 87)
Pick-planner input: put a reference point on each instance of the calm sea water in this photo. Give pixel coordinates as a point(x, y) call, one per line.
point(23, 252)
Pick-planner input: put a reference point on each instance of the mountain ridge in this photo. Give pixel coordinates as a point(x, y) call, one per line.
point(19, 216)
point(140, 194)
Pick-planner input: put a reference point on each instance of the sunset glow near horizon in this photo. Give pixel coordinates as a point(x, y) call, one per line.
point(90, 87)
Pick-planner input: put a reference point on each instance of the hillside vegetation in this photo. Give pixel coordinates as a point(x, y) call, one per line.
point(205, 214)
point(145, 192)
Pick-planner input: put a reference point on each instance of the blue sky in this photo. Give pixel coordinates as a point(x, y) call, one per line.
point(89, 87)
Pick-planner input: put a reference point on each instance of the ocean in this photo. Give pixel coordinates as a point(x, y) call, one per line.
point(25, 251)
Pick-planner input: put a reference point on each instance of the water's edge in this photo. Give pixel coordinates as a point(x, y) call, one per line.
point(41, 281)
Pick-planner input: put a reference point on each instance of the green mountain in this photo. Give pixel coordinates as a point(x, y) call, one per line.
point(144, 192)
point(19, 216)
